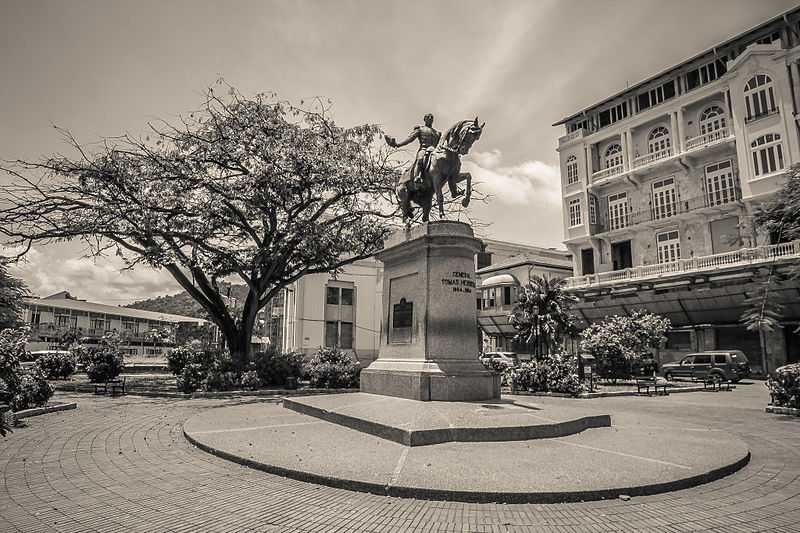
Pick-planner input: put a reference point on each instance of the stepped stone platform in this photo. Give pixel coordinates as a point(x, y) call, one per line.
point(644, 455)
point(413, 423)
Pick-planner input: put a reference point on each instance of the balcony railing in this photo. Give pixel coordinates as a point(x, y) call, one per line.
point(608, 172)
point(757, 116)
point(707, 139)
point(742, 257)
point(652, 157)
point(571, 136)
point(652, 214)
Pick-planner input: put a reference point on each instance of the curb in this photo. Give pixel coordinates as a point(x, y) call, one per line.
point(476, 497)
point(774, 409)
point(427, 437)
point(612, 394)
point(36, 411)
point(88, 388)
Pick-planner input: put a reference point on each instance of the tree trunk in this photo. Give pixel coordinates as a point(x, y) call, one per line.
point(239, 345)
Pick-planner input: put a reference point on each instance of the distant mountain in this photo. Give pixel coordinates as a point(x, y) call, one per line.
point(175, 304)
point(183, 304)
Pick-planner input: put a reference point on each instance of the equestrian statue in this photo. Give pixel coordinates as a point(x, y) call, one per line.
point(438, 160)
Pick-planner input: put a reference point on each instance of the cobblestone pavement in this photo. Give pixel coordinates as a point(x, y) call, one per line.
point(123, 464)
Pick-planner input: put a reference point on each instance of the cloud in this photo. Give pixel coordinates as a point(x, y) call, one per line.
point(55, 268)
point(531, 182)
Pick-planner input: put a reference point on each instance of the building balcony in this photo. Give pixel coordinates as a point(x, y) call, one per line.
point(649, 159)
point(574, 136)
point(608, 172)
point(744, 257)
point(719, 199)
point(708, 139)
point(763, 114)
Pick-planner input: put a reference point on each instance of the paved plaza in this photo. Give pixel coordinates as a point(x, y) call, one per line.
point(123, 464)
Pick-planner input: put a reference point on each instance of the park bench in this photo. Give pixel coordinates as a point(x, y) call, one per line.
point(715, 384)
point(650, 383)
point(112, 386)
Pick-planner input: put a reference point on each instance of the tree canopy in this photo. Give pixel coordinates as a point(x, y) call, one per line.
point(780, 216)
point(249, 188)
point(12, 290)
point(625, 337)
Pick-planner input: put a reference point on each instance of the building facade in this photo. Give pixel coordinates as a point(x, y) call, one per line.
point(659, 184)
point(503, 268)
point(321, 310)
point(145, 335)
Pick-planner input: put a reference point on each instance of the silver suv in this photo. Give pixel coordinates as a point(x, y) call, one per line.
point(725, 365)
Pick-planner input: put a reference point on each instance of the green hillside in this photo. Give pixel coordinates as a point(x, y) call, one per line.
point(182, 303)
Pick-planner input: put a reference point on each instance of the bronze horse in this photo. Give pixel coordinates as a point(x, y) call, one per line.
point(443, 165)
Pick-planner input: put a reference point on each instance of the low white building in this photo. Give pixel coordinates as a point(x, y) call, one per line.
point(145, 334)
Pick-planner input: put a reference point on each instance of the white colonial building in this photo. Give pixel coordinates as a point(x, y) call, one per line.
point(503, 268)
point(659, 183)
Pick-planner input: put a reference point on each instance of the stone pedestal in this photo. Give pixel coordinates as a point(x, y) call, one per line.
point(429, 339)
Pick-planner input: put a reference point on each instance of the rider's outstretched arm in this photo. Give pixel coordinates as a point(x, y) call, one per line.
point(411, 138)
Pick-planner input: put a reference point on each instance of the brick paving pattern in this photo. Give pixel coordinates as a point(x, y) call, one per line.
point(123, 464)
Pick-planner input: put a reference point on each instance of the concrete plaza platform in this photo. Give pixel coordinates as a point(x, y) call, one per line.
point(413, 423)
point(639, 458)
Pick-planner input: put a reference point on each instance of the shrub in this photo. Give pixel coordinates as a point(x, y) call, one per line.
point(24, 389)
point(501, 367)
point(32, 391)
point(56, 365)
point(784, 385)
point(250, 380)
point(178, 357)
point(274, 368)
point(210, 370)
point(332, 369)
point(12, 351)
point(550, 373)
point(220, 381)
point(191, 377)
point(103, 364)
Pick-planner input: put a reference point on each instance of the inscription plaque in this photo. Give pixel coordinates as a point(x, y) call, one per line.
point(402, 322)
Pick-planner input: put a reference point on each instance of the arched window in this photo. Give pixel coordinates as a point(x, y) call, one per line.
point(572, 170)
point(658, 140)
point(613, 156)
point(759, 96)
point(712, 120)
point(767, 154)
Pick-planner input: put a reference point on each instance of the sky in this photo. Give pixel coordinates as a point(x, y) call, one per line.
point(102, 68)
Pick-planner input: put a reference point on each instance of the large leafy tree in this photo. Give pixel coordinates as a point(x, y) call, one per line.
point(617, 340)
point(12, 290)
point(542, 314)
point(247, 188)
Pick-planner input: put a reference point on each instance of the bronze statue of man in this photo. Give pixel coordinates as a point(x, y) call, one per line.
point(428, 139)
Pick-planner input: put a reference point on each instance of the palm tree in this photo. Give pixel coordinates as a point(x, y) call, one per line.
point(541, 316)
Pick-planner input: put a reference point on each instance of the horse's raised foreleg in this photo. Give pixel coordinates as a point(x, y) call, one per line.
point(466, 176)
point(454, 190)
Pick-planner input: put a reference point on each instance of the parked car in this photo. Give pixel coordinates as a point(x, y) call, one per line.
point(731, 365)
point(509, 358)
